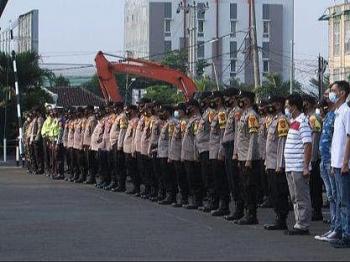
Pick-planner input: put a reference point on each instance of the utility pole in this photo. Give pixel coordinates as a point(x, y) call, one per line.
point(192, 9)
point(19, 115)
point(291, 80)
point(255, 47)
point(322, 66)
point(291, 74)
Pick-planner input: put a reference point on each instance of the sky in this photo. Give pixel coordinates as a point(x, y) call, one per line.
point(73, 31)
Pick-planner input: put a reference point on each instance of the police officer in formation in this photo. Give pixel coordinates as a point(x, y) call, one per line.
point(215, 149)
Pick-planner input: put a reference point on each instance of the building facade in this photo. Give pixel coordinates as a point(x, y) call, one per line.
point(338, 18)
point(22, 35)
point(154, 27)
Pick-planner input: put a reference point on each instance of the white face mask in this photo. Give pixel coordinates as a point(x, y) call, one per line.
point(318, 112)
point(333, 97)
point(176, 114)
point(288, 113)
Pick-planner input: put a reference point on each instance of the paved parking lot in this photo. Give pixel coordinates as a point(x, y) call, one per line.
point(41, 219)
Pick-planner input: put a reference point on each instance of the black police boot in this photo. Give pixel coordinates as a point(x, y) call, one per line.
point(168, 200)
point(111, 185)
point(191, 205)
point(238, 214)
point(249, 219)
point(119, 189)
point(80, 179)
point(280, 224)
point(223, 210)
point(146, 193)
point(90, 180)
point(266, 204)
point(213, 204)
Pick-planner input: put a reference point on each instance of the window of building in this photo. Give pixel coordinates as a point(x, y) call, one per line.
point(347, 35)
point(167, 46)
point(233, 11)
point(167, 27)
point(266, 28)
point(266, 66)
point(336, 38)
point(233, 78)
point(336, 75)
point(233, 18)
point(167, 10)
point(266, 50)
point(233, 49)
point(266, 12)
point(233, 28)
point(201, 28)
point(201, 11)
point(200, 50)
point(233, 65)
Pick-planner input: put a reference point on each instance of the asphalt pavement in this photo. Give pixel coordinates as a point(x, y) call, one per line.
point(41, 219)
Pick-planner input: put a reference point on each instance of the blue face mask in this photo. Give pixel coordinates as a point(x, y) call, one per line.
point(333, 97)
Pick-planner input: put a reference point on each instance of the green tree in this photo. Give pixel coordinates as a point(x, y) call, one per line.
point(61, 81)
point(176, 60)
point(164, 94)
point(30, 79)
point(274, 85)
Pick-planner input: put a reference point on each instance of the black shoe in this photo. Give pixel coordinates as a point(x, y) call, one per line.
point(90, 182)
point(119, 189)
point(250, 220)
point(132, 192)
point(168, 200)
point(79, 181)
point(137, 194)
point(58, 178)
point(297, 232)
point(276, 226)
point(234, 216)
point(190, 206)
point(266, 204)
point(317, 216)
point(220, 212)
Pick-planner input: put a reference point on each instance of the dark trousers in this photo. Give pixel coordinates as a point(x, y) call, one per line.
point(90, 163)
point(194, 179)
point(237, 183)
point(316, 187)
point(157, 180)
point(38, 152)
point(76, 163)
point(169, 176)
point(82, 164)
point(208, 182)
point(182, 181)
point(229, 164)
point(220, 180)
point(249, 179)
point(69, 161)
point(131, 170)
point(139, 164)
point(45, 155)
point(58, 160)
point(264, 187)
point(279, 193)
point(120, 168)
point(147, 173)
point(102, 159)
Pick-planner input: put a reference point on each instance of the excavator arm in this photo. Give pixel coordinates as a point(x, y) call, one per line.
point(142, 68)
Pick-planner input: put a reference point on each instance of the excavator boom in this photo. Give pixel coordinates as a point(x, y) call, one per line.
point(142, 68)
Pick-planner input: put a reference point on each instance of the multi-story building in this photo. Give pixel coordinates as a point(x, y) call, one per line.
point(338, 18)
point(154, 27)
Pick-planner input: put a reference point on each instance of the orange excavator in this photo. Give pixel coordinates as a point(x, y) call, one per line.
point(138, 67)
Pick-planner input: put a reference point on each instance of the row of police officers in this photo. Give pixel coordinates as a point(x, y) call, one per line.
point(216, 148)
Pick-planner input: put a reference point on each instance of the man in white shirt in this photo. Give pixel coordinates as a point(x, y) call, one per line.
point(297, 153)
point(340, 155)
